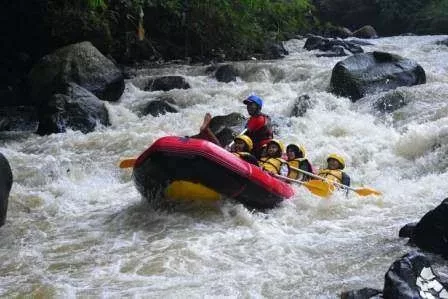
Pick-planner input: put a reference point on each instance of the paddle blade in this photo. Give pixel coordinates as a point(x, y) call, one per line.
point(126, 162)
point(366, 191)
point(319, 188)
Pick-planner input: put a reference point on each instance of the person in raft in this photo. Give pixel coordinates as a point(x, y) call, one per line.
point(258, 127)
point(297, 159)
point(242, 147)
point(273, 162)
point(333, 172)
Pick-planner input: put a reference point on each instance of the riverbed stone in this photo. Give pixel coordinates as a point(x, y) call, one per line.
point(6, 179)
point(72, 107)
point(80, 63)
point(373, 72)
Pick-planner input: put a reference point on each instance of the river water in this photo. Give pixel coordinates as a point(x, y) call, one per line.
point(77, 227)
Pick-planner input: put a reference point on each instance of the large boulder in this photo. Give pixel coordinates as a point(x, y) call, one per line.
point(227, 127)
point(365, 32)
point(226, 73)
point(72, 107)
point(5, 187)
point(80, 63)
point(372, 72)
point(18, 118)
point(337, 47)
point(431, 232)
point(166, 83)
point(412, 276)
point(160, 107)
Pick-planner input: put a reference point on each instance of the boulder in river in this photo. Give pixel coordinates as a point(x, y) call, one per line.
point(72, 107)
point(80, 63)
point(5, 186)
point(369, 73)
point(431, 232)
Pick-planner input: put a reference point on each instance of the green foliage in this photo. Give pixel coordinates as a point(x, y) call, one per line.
point(397, 16)
point(433, 18)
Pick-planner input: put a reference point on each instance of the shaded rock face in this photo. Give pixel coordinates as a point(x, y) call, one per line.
point(80, 63)
point(365, 293)
point(365, 32)
point(226, 73)
point(301, 105)
point(369, 73)
point(227, 127)
point(390, 102)
point(73, 107)
point(5, 186)
point(274, 51)
point(336, 47)
point(411, 276)
point(18, 118)
point(443, 42)
point(431, 232)
point(158, 107)
point(166, 83)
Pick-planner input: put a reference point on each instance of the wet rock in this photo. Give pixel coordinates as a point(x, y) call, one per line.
point(337, 47)
point(274, 51)
point(5, 186)
point(72, 107)
point(411, 276)
point(227, 127)
point(160, 107)
point(369, 73)
point(431, 232)
point(80, 63)
point(301, 105)
point(365, 32)
point(390, 102)
point(443, 42)
point(365, 293)
point(407, 231)
point(226, 73)
point(18, 119)
point(336, 51)
point(166, 83)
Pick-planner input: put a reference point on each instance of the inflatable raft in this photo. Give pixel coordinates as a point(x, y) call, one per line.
point(183, 168)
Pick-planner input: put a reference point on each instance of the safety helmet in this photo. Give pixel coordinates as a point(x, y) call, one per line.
point(279, 143)
point(337, 158)
point(254, 99)
point(298, 149)
point(246, 139)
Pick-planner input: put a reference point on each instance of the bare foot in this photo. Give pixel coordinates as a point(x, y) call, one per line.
point(206, 122)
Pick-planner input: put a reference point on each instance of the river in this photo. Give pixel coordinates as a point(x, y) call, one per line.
point(77, 227)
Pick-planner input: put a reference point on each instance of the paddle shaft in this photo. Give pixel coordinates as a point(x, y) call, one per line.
point(321, 178)
point(233, 141)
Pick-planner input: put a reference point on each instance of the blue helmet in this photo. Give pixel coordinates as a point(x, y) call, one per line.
point(254, 99)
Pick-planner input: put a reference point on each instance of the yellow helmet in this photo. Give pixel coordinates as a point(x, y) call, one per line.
point(246, 139)
point(299, 148)
point(279, 143)
point(337, 158)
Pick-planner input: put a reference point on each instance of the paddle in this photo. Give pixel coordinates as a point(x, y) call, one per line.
point(127, 162)
point(229, 146)
point(317, 187)
point(363, 191)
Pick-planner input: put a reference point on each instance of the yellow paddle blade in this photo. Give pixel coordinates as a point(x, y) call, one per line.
point(366, 191)
point(319, 188)
point(126, 162)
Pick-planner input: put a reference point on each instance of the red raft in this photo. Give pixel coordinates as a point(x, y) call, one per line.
point(174, 164)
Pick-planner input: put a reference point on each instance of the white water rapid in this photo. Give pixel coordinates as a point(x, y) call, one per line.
point(77, 227)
